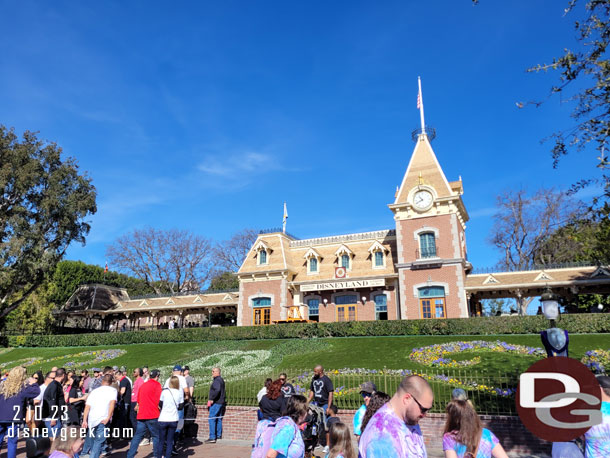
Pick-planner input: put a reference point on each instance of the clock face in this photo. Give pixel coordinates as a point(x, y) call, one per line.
point(422, 199)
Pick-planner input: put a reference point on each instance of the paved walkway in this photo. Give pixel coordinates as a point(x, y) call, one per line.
point(197, 449)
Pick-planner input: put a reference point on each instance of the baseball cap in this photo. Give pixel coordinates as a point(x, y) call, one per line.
point(115, 368)
point(368, 387)
point(155, 373)
point(186, 368)
point(459, 395)
point(96, 369)
point(604, 381)
point(177, 367)
point(123, 369)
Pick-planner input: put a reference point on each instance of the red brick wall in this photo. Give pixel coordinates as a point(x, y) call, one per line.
point(240, 424)
point(445, 274)
point(365, 311)
point(261, 288)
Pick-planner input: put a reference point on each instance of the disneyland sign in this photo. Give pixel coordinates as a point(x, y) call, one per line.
point(347, 284)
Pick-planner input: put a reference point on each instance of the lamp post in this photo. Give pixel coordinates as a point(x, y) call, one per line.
point(555, 340)
point(550, 305)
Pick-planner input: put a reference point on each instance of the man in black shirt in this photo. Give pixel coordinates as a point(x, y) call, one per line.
point(54, 406)
point(321, 390)
point(216, 404)
point(287, 388)
point(124, 404)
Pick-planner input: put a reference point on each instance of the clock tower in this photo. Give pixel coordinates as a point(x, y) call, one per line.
point(430, 235)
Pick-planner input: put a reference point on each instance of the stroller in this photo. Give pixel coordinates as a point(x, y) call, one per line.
point(314, 430)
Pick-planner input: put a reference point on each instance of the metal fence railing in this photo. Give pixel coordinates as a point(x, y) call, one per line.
point(491, 394)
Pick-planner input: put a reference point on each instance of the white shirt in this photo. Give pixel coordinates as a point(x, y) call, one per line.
point(42, 390)
point(99, 400)
point(182, 379)
point(261, 393)
point(171, 399)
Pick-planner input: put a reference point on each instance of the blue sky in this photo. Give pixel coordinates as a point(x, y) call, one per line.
point(209, 115)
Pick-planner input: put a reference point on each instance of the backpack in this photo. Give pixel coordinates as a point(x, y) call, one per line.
point(264, 437)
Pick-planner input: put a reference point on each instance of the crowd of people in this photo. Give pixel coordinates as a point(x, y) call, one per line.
point(111, 406)
point(104, 408)
point(388, 426)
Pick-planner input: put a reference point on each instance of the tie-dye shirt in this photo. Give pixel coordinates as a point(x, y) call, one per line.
point(387, 436)
point(597, 439)
point(487, 444)
point(287, 440)
point(358, 417)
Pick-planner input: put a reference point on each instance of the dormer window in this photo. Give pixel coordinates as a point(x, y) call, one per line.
point(312, 259)
point(262, 251)
point(378, 255)
point(344, 257)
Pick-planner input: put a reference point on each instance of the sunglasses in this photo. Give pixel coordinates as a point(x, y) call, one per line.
point(422, 409)
point(282, 380)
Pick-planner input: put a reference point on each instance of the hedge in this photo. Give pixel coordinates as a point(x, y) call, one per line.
point(580, 323)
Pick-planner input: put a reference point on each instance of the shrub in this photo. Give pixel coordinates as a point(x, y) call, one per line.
point(580, 323)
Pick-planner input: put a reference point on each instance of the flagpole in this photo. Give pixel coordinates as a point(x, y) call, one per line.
point(284, 219)
point(421, 107)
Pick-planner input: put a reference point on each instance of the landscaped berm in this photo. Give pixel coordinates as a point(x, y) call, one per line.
point(487, 367)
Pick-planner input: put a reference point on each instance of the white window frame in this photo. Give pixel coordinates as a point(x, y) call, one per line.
point(387, 298)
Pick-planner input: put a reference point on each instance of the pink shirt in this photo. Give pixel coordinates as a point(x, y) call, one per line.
point(136, 387)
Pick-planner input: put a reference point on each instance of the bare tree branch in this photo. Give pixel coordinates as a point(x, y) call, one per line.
point(177, 259)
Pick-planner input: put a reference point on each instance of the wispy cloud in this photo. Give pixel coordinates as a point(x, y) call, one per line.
point(238, 170)
point(246, 163)
point(482, 212)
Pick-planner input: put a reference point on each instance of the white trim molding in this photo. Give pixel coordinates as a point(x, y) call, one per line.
point(259, 295)
point(423, 230)
point(428, 284)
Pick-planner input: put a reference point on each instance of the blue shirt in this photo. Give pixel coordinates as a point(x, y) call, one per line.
point(358, 417)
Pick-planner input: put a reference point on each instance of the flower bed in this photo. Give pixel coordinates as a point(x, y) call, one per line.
point(436, 355)
point(302, 381)
point(99, 356)
point(597, 360)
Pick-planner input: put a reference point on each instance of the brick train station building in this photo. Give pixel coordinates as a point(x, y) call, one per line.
point(417, 269)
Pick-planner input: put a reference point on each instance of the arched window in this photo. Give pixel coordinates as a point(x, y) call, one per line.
point(427, 245)
point(432, 302)
point(262, 257)
point(313, 265)
point(261, 311)
point(314, 309)
point(378, 258)
point(381, 307)
point(345, 261)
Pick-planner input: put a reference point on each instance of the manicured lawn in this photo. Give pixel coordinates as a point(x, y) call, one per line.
point(245, 364)
point(334, 353)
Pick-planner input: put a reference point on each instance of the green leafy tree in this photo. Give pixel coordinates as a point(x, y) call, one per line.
point(494, 306)
point(34, 314)
point(224, 281)
point(585, 239)
point(44, 203)
point(584, 81)
point(69, 275)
